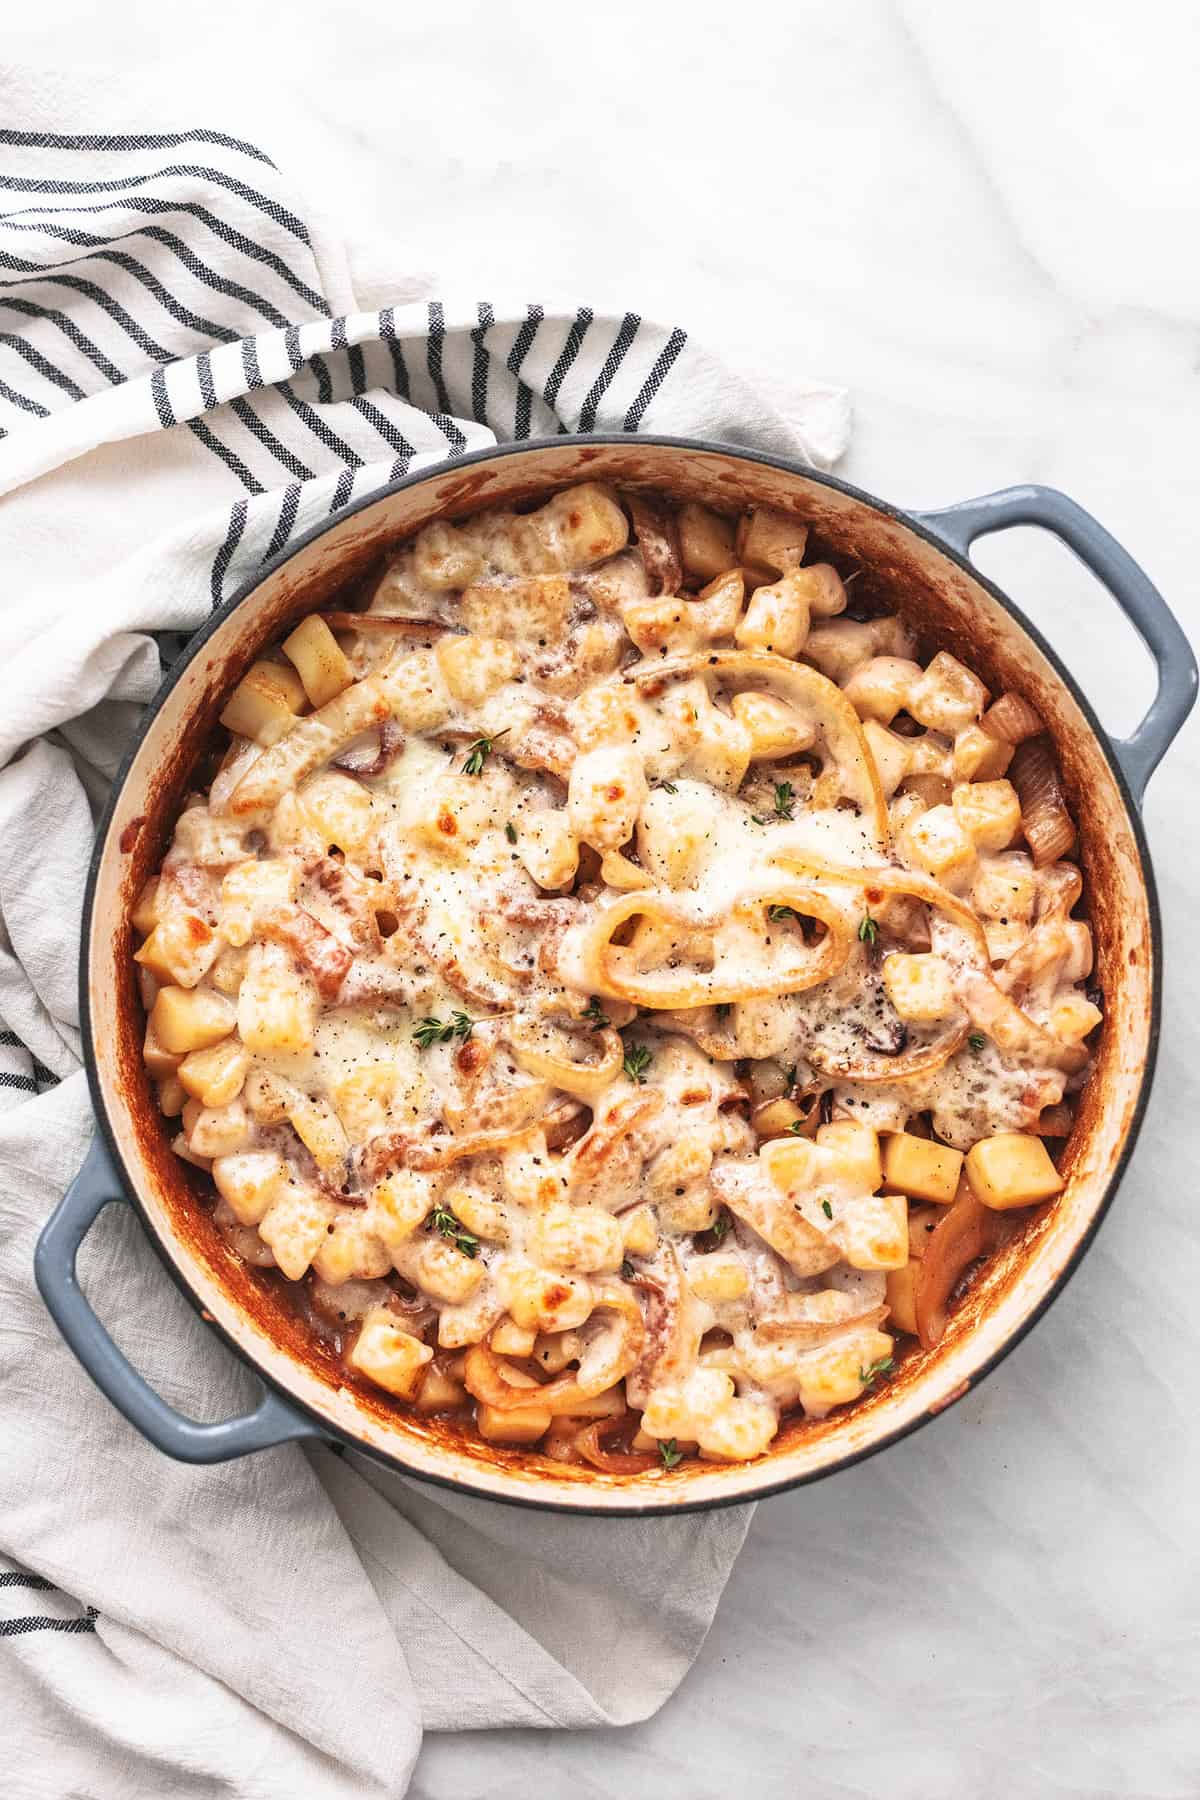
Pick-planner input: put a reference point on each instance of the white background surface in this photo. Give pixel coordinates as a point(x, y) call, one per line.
point(984, 222)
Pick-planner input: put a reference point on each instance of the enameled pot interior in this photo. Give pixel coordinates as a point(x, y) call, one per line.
point(901, 569)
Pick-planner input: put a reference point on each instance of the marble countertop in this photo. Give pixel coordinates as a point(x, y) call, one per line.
point(983, 223)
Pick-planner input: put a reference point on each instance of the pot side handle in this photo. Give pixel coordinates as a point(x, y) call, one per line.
point(96, 1186)
point(1129, 586)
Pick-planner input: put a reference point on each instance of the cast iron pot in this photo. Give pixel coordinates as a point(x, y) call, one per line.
point(917, 561)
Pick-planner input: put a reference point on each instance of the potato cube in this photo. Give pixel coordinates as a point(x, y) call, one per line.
point(545, 1300)
point(792, 1163)
point(771, 539)
point(639, 1232)
point(318, 660)
point(474, 667)
point(902, 1298)
point(989, 812)
point(340, 809)
point(871, 1231)
point(216, 1130)
point(171, 1096)
point(717, 1278)
point(181, 949)
point(453, 812)
point(548, 848)
point(420, 699)
point(276, 1007)
point(880, 688)
point(539, 606)
point(920, 1168)
point(228, 972)
point(215, 1076)
point(673, 833)
point(605, 793)
point(823, 589)
point(250, 1182)
point(441, 1269)
point(919, 987)
point(775, 728)
point(439, 1392)
point(483, 1217)
point(891, 754)
point(775, 1118)
point(351, 1252)
point(705, 542)
point(388, 1355)
point(295, 1227)
point(265, 704)
point(851, 1154)
point(515, 1425)
point(937, 842)
point(320, 1131)
point(160, 1062)
point(400, 1204)
point(145, 911)
point(1006, 888)
point(978, 756)
point(186, 1019)
point(510, 1339)
point(948, 696)
point(833, 1375)
point(776, 619)
point(1012, 1169)
point(585, 1238)
point(249, 889)
point(1073, 1017)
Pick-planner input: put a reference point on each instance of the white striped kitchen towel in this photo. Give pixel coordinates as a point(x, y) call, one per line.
point(186, 383)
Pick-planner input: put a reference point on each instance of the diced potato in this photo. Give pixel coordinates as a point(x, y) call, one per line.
point(295, 1227)
point(891, 754)
point(419, 697)
point(228, 971)
point(673, 831)
point(171, 1096)
point(548, 847)
point(720, 749)
point(400, 1204)
point(215, 1076)
point(265, 703)
point(186, 1019)
point(250, 1182)
point(483, 1217)
point(639, 1231)
point(351, 1252)
point(718, 1277)
point(776, 619)
point(705, 542)
point(181, 949)
point(920, 1168)
point(873, 1232)
point(1012, 1169)
point(1006, 888)
point(937, 842)
point(364, 1096)
point(545, 1300)
point(437, 1266)
point(555, 1349)
point(1073, 1017)
point(267, 1097)
point(452, 812)
point(948, 696)
point(160, 1062)
point(989, 811)
point(145, 911)
point(249, 889)
point(340, 808)
point(771, 540)
point(978, 756)
point(474, 667)
point(510, 1339)
point(539, 606)
point(439, 1392)
point(318, 660)
point(576, 1237)
point(823, 588)
point(902, 1298)
point(216, 1130)
point(880, 688)
point(515, 1425)
point(388, 1355)
point(775, 1118)
point(775, 728)
point(851, 1153)
point(833, 1374)
point(276, 1007)
point(919, 987)
point(792, 1163)
point(320, 1131)
point(606, 792)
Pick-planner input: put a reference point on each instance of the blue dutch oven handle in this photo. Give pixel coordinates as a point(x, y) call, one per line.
point(272, 1422)
point(1129, 586)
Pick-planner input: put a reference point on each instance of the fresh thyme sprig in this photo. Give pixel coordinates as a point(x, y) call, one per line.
point(595, 1014)
point(434, 1031)
point(976, 1041)
point(670, 1453)
point(480, 750)
point(868, 930)
point(785, 799)
point(442, 1220)
point(870, 1375)
point(637, 1061)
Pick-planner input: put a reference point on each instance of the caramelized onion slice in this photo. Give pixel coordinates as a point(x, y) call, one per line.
point(534, 1048)
point(809, 1319)
point(838, 727)
point(658, 541)
point(395, 622)
point(588, 1443)
point(963, 1235)
point(1011, 720)
point(1045, 820)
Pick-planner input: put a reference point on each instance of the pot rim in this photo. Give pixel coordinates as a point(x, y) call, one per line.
point(789, 465)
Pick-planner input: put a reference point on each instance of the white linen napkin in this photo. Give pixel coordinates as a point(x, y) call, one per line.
point(177, 401)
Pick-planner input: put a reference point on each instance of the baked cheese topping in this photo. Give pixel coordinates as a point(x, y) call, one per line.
point(616, 989)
